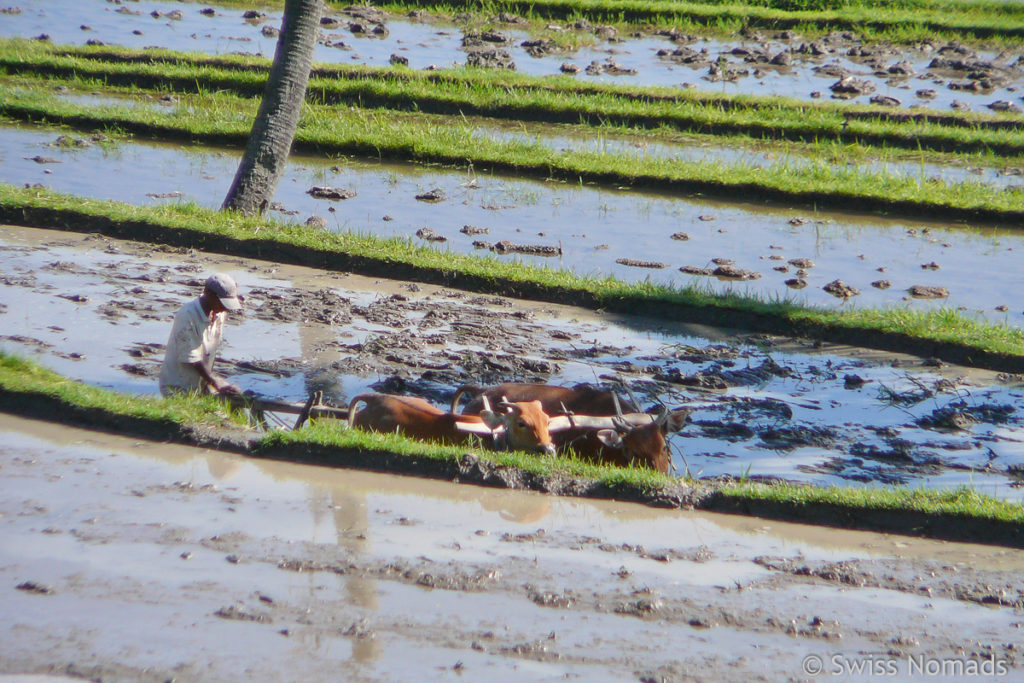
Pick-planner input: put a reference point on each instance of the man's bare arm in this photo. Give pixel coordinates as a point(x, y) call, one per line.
point(219, 384)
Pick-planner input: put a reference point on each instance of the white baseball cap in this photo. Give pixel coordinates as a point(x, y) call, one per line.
point(224, 287)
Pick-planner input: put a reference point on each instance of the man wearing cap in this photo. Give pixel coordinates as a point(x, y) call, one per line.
point(196, 336)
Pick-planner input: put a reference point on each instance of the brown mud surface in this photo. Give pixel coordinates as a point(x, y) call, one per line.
point(99, 310)
point(133, 560)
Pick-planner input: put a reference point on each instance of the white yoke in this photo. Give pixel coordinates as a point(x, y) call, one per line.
point(194, 338)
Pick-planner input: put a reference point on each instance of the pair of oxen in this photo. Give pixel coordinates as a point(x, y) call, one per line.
point(531, 417)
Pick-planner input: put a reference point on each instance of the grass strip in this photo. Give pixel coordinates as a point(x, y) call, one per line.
point(221, 120)
point(900, 24)
point(961, 515)
point(942, 334)
point(501, 95)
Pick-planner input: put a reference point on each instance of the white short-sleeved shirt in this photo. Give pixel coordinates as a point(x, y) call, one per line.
point(194, 338)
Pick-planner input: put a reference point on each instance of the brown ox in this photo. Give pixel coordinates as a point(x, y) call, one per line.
point(581, 399)
point(524, 425)
point(632, 439)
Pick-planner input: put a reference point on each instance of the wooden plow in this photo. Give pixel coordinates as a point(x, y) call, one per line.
point(261, 409)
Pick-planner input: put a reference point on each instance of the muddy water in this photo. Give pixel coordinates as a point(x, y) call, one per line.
point(144, 24)
point(594, 227)
point(100, 311)
point(284, 572)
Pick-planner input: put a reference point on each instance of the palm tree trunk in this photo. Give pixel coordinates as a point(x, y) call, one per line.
point(273, 131)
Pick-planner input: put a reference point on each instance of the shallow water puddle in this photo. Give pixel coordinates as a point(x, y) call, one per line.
point(701, 150)
point(292, 571)
point(902, 74)
point(595, 228)
point(99, 311)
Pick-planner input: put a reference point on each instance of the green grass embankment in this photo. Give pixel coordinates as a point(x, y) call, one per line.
point(960, 515)
point(226, 120)
point(899, 22)
point(943, 334)
point(515, 97)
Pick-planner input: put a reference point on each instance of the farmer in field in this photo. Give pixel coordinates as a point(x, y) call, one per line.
point(197, 333)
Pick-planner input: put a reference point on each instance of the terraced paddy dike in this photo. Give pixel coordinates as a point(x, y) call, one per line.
point(97, 310)
point(604, 231)
point(939, 74)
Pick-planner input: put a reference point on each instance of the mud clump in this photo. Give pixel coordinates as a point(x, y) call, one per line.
point(490, 58)
point(434, 195)
point(326, 192)
point(928, 292)
point(640, 264)
point(507, 247)
point(840, 289)
point(430, 235)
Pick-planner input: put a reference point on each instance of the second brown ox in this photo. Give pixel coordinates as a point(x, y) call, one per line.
point(598, 430)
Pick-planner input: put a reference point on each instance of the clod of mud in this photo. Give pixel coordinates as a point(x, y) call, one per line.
point(928, 292)
point(795, 436)
point(490, 58)
point(235, 613)
point(680, 236)
point(508, 247)
point(885, 101)
point(35, 587)
point(434, 195)
point(840, 289)
point(850, 87)
point(853, 381)
point(959, 416)
point(796, 283)
point(474, 230)
point(881, 284)
point(326, 192)
point(729, 272)
point(640, 264)
point(430, 235)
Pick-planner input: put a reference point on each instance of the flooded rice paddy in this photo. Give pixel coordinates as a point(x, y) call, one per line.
point(794, 254)
point(273, 571)
point(99, 311)
point(938, 75)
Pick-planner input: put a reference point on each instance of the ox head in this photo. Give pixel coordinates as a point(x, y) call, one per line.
point(637, 438)
point(525, 424)
point(645, 444)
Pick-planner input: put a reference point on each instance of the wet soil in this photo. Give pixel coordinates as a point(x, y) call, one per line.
point(99, 310)
point(278, 571)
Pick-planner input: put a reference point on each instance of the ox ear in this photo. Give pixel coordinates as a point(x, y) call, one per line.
point(609, 437)
point(677, 419)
